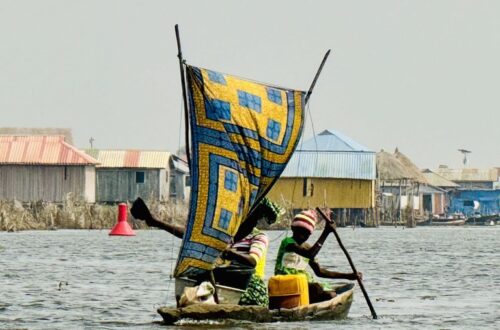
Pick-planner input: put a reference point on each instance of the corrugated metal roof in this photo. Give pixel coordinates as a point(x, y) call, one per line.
point(24, 131)
point(468, 174)
point(331, 140)
point(130, 158)
point(424, 189)
point(41, 150)
point(437, 180)
point(345, 165)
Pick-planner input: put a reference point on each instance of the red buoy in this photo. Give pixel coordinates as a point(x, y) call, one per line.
point(122, 228)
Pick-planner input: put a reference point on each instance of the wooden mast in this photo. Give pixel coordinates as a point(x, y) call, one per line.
point(186, 127)
point(309, 92)
point(184, 94)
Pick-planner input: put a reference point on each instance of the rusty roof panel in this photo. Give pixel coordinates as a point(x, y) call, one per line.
point(130, 158)
point(41, 150)
point(110, 158)
point(154, 158)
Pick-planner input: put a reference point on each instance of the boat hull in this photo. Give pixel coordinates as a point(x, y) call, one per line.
point(440, 222)
point(333, 309)
point(486, 220)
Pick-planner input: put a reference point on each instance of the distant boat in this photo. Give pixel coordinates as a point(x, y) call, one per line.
point(483, 220)
point(451, 220)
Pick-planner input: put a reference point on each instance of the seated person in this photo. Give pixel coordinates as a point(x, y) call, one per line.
point(248, 250)
point(294, 255)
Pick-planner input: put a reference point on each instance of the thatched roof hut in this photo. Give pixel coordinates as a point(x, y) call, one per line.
point(437, 180)
point(411, 168)
point(389, 168)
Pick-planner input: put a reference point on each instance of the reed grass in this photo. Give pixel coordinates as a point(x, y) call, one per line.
point(73, 213)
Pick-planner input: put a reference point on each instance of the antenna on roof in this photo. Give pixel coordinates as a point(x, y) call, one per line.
point(465, 152)
point(91, 141)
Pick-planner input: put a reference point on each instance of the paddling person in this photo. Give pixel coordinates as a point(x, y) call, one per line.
point(248, 250)
point(295, 254)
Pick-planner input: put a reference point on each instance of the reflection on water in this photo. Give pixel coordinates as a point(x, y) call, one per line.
point(416, 278)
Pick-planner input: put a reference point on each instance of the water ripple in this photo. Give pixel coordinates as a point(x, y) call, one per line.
point(440, 278)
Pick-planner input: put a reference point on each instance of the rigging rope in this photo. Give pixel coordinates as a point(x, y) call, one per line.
point(308, 109)
point(180, 129)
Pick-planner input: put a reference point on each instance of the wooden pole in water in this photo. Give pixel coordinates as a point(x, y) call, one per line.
point(184, 93)
point(372, 310)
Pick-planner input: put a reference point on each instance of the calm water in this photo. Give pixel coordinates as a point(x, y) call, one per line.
point(438, 278)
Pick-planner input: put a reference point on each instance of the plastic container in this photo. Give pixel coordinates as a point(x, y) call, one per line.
point(234, 276)
point(288, 291)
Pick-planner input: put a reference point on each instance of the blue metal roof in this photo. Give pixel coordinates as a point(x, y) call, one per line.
point(332, 155)
point(340, 165)
point(331, 140)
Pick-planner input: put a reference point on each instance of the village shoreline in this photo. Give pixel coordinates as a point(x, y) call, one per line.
point(75, 213)
point(85, 186)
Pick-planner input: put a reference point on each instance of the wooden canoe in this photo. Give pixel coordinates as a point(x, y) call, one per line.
point(333, 309)
point(442, 222)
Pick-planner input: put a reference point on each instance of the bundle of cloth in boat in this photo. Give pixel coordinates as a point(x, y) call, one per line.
point(200, 294)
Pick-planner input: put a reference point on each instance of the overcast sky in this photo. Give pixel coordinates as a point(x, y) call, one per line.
point(423, 76)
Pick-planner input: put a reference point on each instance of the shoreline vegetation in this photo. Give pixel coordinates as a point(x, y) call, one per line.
point(73, 213)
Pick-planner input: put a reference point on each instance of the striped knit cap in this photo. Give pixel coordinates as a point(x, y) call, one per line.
point(305, 219)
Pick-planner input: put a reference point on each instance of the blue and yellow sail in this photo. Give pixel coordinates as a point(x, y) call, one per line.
point(243, 134)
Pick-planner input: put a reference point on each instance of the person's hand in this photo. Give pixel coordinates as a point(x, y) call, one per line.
point(328, 212)
point(330, 226)
point(355, 276)
point(227, 254)
point(140, 211)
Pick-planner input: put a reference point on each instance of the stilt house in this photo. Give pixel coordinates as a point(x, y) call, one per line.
point(44, 168)
point(329, 170)
point(124, 175)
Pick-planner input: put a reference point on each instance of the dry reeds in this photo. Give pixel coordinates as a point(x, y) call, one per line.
point(76, 214)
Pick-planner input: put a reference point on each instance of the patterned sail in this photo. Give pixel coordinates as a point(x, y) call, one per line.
point(243, 134)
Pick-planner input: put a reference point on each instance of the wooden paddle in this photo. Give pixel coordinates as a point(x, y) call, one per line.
point(372, 310)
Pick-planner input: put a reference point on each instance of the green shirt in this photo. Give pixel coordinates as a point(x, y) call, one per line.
point(291, 263)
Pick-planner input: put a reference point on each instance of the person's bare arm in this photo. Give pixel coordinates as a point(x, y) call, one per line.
point(140, 211)
point(177, 231)
point(322, 272)
point(308, 251)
